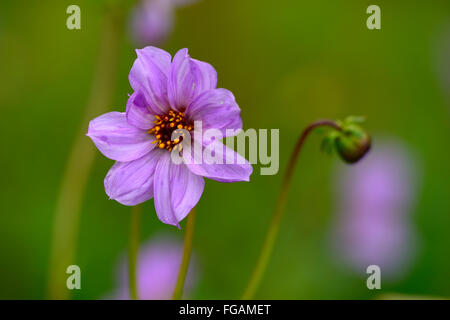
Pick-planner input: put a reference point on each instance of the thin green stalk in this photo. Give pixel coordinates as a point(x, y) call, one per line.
point(133, 252)
point(81, 158)
point(277, 216)
point(188, 237)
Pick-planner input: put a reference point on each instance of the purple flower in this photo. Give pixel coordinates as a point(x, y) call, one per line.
point(375, 200)
point(158, 265)
point(152, 20)
point(168, 95)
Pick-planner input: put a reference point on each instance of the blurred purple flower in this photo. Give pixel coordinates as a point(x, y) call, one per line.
point(152, 21)
point(159, 262)
point(375, 198)
point(168, 94)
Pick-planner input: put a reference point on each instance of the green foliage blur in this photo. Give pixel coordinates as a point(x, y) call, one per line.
point(288, 63)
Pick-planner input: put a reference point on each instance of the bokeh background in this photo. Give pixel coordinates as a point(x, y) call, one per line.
point(288, 63)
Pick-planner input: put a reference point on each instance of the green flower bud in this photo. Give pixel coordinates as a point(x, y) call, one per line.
point(352, 143)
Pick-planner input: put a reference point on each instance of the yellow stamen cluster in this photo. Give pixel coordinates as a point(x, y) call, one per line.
point(165, 125)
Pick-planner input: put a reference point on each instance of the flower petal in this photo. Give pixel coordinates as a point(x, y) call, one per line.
point(149, 74)
point(216, 109)
point(232, 167)
point(131, 183)
point(188, 79)
point(177, 190)
point(117, 139)
point(138, 113)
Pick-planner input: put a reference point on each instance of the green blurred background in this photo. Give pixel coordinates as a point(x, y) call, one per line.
point(288, 63)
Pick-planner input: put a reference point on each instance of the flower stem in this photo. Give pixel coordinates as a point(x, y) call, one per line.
point(277, 216)
point(133, 252)
point(188, 237)
point(81, 158)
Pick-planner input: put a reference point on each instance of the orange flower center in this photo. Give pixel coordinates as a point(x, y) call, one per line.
point(164, 127)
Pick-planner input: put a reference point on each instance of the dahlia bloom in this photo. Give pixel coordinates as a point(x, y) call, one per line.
point(375, 200)
point(168, 96)
point(158, 265)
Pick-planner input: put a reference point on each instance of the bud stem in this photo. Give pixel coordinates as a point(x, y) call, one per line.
point(277, 216)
